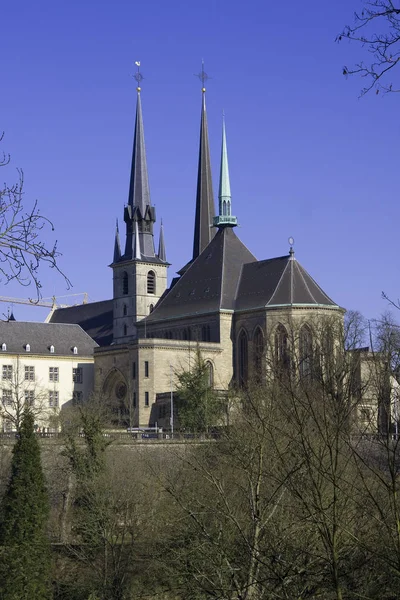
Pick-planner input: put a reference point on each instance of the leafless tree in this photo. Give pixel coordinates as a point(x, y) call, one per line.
point(22, 248)
point(19, 392)
point(377, 29)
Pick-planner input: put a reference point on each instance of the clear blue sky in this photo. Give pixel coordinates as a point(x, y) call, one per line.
point(308, 159)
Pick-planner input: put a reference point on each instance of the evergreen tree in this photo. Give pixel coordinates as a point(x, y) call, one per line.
point(199, 407)
point(25, 560)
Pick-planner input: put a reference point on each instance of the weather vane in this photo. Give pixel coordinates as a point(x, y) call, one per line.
point(291, 243)
point(138, 76)
point(203, 76)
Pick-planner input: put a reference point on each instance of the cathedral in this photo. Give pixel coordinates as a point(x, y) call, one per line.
point(224, 301)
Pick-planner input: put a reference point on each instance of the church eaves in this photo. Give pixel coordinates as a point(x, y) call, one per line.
point(205, 210)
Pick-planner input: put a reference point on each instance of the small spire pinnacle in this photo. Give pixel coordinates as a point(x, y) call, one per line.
point(225, 218)
point(136, 243)
point(161, 245)
point(117, 245)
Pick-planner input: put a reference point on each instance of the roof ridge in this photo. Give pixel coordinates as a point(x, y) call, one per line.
point(221, 291)
point(305, 283)
point(301, 269)
point(279, 282)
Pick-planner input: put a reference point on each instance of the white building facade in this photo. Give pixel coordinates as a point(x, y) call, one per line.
point(45, 366)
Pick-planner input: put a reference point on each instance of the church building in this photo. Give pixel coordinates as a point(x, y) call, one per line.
point(224, 301)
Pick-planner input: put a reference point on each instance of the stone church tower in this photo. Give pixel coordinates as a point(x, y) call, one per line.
point(139, 274)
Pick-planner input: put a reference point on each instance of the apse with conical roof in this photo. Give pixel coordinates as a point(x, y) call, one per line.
point(205, 210)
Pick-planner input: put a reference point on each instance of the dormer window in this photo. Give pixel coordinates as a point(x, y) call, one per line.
point(52, 349)
point(75, 350)
point(28, 348)
point(4, 347)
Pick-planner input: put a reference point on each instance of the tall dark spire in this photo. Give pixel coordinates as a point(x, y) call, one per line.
point(205, 210)
point(139, 215)
point(139, 192)
point(161, 245)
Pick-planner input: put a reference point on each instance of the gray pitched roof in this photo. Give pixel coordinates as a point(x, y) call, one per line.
point(278, 281)
point(40, 336)
point(210, 282)
point(96, 318)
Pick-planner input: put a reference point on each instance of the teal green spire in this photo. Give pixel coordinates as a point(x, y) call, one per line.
point(225, 218)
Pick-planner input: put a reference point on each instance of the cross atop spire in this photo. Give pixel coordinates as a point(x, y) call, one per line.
point(203, 76)
point(138, 76)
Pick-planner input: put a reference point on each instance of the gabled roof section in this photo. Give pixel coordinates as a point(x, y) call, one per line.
point(205, 209)
point(139, 191)
point(41, 336)
point(210, 282)
point(96, 318)
point(276, 282)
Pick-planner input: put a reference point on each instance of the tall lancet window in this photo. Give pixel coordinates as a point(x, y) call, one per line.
point(258, 353)
point(224, 208)
point(305, 351)
point(125, 283)
point(151, 282)
point(281, 348)
point(243, 362)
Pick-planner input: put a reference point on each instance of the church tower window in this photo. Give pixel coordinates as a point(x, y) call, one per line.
point(243, 358)
point(125, 283)
point(151, 282)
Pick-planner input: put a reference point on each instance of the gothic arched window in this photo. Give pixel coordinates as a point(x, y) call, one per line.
point(210, 374)
point(224, 208)
point(125, 283)
point(281, 347)
point(125, 330)
point(258, 353)
point(243, 355)
point(305, 351)
point(125, 310)
point(151, 282)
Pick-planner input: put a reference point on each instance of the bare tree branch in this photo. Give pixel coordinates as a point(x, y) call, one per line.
point(22, 249)
point(376, 28)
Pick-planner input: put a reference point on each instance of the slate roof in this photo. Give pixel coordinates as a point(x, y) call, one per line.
point(40, 336)
point(278, 281)
point(96, 318)
point(210, 282)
